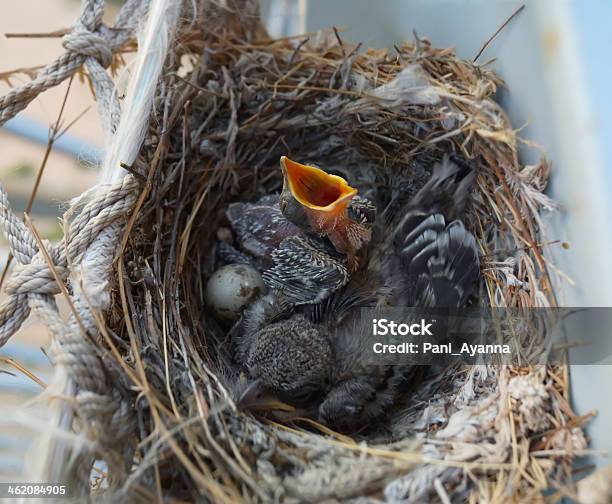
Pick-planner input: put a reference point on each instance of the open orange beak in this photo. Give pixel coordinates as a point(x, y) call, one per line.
point(316, 189)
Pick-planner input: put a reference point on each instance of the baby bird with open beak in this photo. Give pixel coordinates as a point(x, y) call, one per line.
point(326, 206)
point(306, 242)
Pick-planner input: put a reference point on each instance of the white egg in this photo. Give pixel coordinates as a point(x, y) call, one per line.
point(231, 288)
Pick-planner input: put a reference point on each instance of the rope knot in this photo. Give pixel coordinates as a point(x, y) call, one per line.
point(35, 278)
point(91, 44)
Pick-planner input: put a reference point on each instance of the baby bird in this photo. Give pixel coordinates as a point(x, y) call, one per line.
point(319, 203)
point(306, 241)
point(319, 355)
point(429, 244)
point(260, 227)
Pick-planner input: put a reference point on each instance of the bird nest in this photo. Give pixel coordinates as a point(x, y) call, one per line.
point(484, 432)
point(230, 103)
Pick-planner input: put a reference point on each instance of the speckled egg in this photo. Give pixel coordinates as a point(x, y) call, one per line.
point(231, 288)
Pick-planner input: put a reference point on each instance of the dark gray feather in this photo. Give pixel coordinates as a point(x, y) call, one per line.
point(305, 270)
point(260, 227)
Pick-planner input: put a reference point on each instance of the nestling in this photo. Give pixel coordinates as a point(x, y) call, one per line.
point(320, 203)
point(416, 259)
point(305, 242)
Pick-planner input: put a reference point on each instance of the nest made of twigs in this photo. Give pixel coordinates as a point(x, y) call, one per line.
point(481, 432)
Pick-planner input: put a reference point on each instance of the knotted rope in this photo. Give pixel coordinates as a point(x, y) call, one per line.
point(89, 43)
point(82, 260)
point(80, 265)
point(32, 275)
point(33, 285)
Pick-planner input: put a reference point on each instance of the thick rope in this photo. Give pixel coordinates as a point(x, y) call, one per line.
point(32, 286)
point(31, 274)
point(83, 259)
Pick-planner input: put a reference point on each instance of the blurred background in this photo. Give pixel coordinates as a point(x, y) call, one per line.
point(554, 57)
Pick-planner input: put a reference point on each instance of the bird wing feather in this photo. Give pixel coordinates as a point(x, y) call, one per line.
point(304, 271)
point(444, 261)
